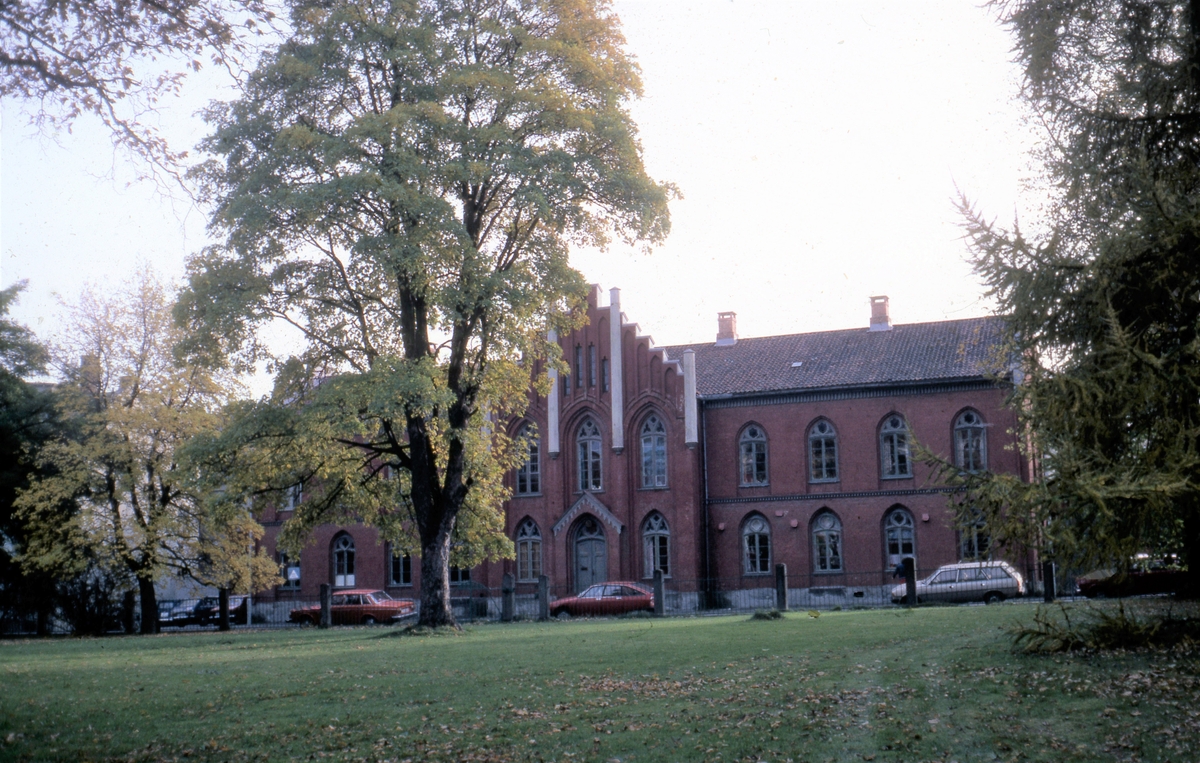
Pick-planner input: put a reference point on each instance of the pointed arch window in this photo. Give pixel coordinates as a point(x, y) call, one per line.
point(529, 551)
point(654, 453)
point(529, 477)
point(588, 449)
point(343, 561)
point(970, 443)
point(656, 537)
point(752, 448)
point(822, 450)
point(756, 546)
point(827, 542)
point(893, 447)
point(898, 534)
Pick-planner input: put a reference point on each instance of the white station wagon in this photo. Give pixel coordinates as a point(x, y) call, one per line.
point(989, 582)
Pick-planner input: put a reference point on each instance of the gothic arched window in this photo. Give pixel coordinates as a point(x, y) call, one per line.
point(656, 544)
point(529, 551)
point(654, 453)
point(893, 447)
point(752, 448)
point(756, 546)
point(822, 450)
point(970, 444)
point(898, 536)
point(588, 443)
point(827, 542)
point(343, 561)
point(529, 477)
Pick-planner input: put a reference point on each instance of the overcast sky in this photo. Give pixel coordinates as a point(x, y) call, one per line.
point(818, 145)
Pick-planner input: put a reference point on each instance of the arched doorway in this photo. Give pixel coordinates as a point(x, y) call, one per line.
point(591, 554)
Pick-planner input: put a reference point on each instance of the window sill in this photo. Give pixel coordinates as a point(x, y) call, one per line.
point(896, 477)
point(651, 577)
point(399, 585)
point(527, 495)
point(652, 489)
point(833, 481)
point(755, 484)
point(827, 573)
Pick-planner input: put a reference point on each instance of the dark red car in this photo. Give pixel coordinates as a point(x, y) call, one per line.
point(1138, 582)
point(358, 607)
point(605, 599)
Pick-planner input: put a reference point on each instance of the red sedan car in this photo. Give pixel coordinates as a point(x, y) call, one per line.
point(360, 607)
point(605, 599)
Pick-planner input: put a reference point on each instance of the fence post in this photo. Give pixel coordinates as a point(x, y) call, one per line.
point(543, 597)
point(508, 596)
point(660, 598)
point(910, 581)
point(1049, 583)
point(781, 587)
point(223, 609)
point(326, 602)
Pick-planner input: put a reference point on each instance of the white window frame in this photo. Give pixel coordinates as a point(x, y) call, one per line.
point(656, 545)
point(529, 552)
point(827, 543)
point(405, 563)
point(589, 462)
point(756, 537)
point(753, 457)
point(970, 442)
point(894, 452)
point(822, 442)
point(897, 524)
point(529, 474)
point(654, 453)
point(343, 561)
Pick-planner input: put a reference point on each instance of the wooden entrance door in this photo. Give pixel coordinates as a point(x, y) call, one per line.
point(591, 554)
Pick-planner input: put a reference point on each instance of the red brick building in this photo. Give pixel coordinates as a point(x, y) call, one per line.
point(717, 461)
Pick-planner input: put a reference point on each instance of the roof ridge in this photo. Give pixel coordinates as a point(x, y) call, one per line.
point(856, 329)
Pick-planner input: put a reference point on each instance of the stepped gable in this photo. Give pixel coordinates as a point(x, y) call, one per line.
point(916, 352)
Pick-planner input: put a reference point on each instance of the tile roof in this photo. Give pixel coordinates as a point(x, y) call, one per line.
point(908, 353)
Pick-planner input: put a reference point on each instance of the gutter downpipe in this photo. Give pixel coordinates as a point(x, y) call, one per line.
point(708, 581)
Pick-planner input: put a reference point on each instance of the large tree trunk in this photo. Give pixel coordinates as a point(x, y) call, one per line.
point(435, 579)
point(149, 605)
point(1191, 553)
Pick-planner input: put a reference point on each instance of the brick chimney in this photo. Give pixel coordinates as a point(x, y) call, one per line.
point(726, 329)
point(880, 319)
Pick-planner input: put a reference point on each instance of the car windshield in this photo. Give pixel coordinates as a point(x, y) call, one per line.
point(380, 596)
point(595, 592)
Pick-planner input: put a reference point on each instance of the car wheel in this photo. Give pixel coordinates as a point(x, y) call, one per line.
point(563, 614)
point(993, 597)
point(368, 620)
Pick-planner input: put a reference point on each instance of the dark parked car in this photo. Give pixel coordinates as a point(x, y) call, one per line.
point(361, 607)
point(208, 611)
point(605, 599)
point(177, 614)
point(1140, 581)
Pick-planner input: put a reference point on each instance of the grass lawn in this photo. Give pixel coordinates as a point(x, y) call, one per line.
point(884, 685)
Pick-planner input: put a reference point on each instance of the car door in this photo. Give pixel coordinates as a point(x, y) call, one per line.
point(631, 599)
point(973, 583)
point(610, 603)
point(942, 586)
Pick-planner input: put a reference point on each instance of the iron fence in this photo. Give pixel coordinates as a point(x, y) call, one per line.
point(479, 603)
